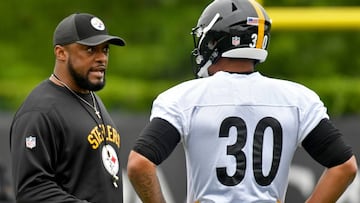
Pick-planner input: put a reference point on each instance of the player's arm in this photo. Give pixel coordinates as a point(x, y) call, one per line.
point(142, 175)
point(33, 166)
point(333, 182)
point(326, 145)
point(155, 143)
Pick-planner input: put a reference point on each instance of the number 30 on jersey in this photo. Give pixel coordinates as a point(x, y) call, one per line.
point(257, 150)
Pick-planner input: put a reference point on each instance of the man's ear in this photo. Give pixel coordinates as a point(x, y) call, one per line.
point(60, 53)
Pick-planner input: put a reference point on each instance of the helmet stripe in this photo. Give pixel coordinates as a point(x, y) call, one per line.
point(261, 25)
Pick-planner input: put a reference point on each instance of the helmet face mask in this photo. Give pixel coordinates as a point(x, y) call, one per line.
point(230, 28)
point(204, 46)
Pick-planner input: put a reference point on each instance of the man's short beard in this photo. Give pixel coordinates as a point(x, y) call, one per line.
point(82, 81)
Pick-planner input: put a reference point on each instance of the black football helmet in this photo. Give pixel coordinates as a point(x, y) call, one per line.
point(232, 29)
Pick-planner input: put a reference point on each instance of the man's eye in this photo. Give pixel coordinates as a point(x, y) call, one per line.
point(90, 49)
point(106, 50)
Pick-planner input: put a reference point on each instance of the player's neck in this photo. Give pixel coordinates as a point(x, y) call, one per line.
point(232, 66)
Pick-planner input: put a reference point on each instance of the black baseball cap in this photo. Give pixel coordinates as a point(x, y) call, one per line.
point(83, 28)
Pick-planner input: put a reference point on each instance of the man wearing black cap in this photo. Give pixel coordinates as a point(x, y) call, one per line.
point(64, 145)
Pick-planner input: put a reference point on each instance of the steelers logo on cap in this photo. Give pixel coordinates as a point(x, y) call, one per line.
point(97, 23)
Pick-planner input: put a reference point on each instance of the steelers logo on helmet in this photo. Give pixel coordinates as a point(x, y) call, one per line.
point(231, 29)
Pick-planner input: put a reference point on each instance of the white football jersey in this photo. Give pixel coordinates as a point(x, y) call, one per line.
point(239, 133)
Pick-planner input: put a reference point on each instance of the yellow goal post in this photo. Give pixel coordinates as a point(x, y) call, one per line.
point(314, 18)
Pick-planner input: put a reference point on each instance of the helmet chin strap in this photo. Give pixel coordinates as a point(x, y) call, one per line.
point(203, 72)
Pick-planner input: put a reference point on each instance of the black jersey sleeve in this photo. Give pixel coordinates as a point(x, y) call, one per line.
point(326, 145)
point(157, 140)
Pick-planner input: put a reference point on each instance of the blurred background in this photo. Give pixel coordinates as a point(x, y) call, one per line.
point(315, 43)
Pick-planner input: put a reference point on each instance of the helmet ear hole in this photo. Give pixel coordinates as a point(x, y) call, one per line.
point(211, 44)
